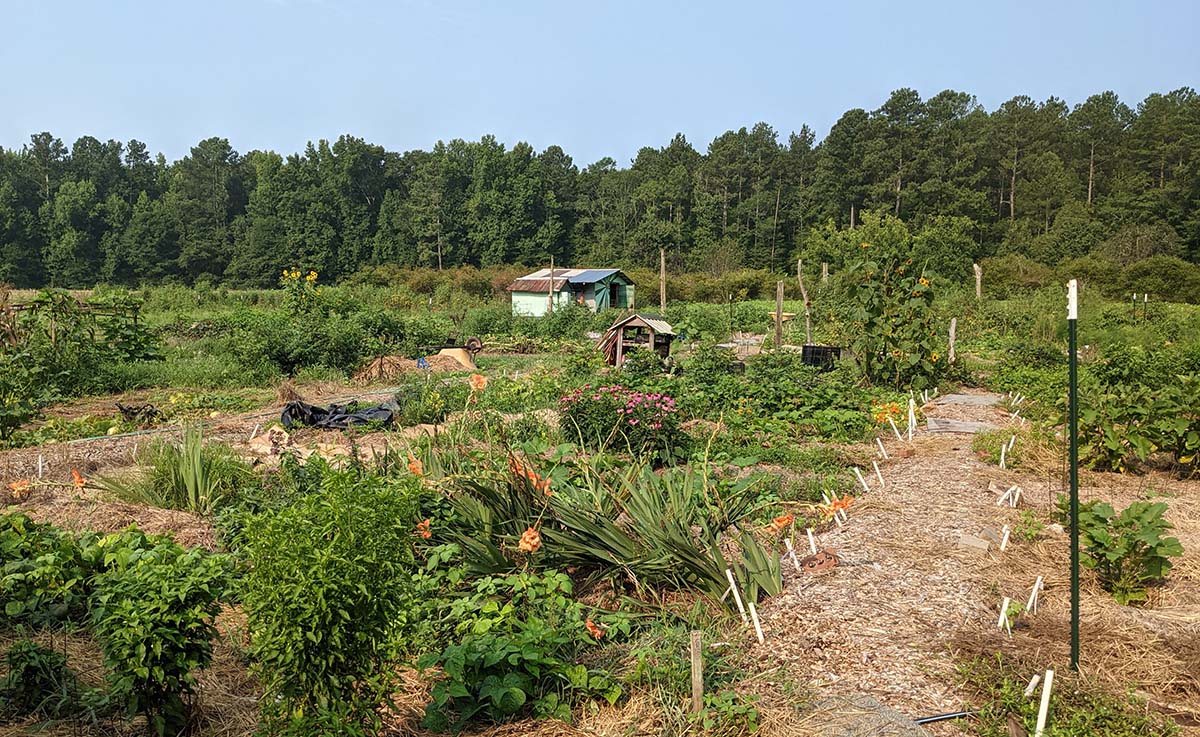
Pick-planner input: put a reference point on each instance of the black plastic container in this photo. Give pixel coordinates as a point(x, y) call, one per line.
point(821, 356)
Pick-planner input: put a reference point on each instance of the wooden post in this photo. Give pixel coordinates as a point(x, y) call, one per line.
point(978, 281)
point(550, 289)
point(662, 281)
point(953, 328)
point(697, 656)
point(778, 315)
point(824, 271)
point(804, 296)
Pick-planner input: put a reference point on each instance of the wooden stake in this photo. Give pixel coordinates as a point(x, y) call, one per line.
point(737, 598)
point(804, 296)
point(861, 480)
point(895, 429)
point(878, 475)
point(978, 281)
point(882, 450)
point(812, 542)
point(697, 656)
point(824, 271)
point(953, 329)
point(1044, 707)
point(757, 625)
point(549, 289)
point(662, 282)
point(778, 315)
point(787, 541)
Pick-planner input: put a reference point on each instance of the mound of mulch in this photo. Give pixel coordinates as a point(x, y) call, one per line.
point(385, 368)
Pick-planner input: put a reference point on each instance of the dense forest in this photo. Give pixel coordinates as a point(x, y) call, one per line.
point(1042, 180)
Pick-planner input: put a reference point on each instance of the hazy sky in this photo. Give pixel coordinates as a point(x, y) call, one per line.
point(598, 78)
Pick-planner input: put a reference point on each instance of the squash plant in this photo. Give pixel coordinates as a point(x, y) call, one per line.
point(1130, 550)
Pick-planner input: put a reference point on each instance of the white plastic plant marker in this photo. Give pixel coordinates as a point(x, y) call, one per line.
point(837, 518)
point(737, 598)
point(1002, 623)
point(1016, 497)
point(757, 625)
point(792, 553)
point(1033, 682)
point(1005, 496)
point(1047, 685)
point(882, 450)
point(895, 429)
point(1003, 453)
point(1004, 539)
point(912, 417)
point(812, 542)
point(845, 517)
point(861, 480)
point(254, 432)
point(1032, 604)
point(878, 475)
point(1011, 442)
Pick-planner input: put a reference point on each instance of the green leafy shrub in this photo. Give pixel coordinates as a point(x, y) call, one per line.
point(327, 583)
point(44, 572)
point(1129, 551)
point(515, 643)
point(153, 610)
point(19, 395)
point(625, 419)
point(728, 713)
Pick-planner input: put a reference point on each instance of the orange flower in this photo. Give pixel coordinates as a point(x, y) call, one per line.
point(415, 466)
point(596, 631)
point(522, 471)
point(478, 382)
point(78, 479)
point(780, 523)
point(531, 540)
point(20, 489)
point(836, 505)
point(423, 529)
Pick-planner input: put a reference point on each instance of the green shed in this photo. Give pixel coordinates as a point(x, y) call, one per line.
point(596, 288)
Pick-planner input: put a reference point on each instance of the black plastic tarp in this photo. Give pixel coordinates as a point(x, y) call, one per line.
point(337, 416)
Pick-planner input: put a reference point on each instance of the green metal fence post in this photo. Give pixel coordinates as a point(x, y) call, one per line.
point(1073, 430)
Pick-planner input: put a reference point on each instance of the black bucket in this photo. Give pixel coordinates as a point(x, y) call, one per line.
point(821, 356)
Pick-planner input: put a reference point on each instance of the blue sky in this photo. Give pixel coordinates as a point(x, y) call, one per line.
point(598, 78)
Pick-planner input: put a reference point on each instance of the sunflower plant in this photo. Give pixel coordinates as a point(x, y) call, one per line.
point(896, 342)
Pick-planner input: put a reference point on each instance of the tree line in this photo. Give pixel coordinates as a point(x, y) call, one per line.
point(1042, 180)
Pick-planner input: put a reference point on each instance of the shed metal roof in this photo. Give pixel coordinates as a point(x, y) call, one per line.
point(539, 281)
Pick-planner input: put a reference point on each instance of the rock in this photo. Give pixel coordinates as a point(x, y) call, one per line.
point(990, 533)
point(1057, 529)
point(970, 541)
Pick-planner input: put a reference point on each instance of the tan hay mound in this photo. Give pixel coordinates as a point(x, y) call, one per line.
point(287, 392)
point(385, 368)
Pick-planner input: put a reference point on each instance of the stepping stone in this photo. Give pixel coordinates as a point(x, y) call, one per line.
point(972, 542)
point(935, 424)
point(862, 716)
point(975, 400)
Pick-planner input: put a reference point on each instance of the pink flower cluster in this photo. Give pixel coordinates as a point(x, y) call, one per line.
point(633, 406)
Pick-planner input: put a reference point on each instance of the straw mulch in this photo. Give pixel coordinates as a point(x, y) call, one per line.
point(386, 368)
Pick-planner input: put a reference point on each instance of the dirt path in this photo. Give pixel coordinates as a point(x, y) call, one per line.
point(881, 625)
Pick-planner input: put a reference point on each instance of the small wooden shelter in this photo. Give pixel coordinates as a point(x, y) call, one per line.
point(635, 332)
